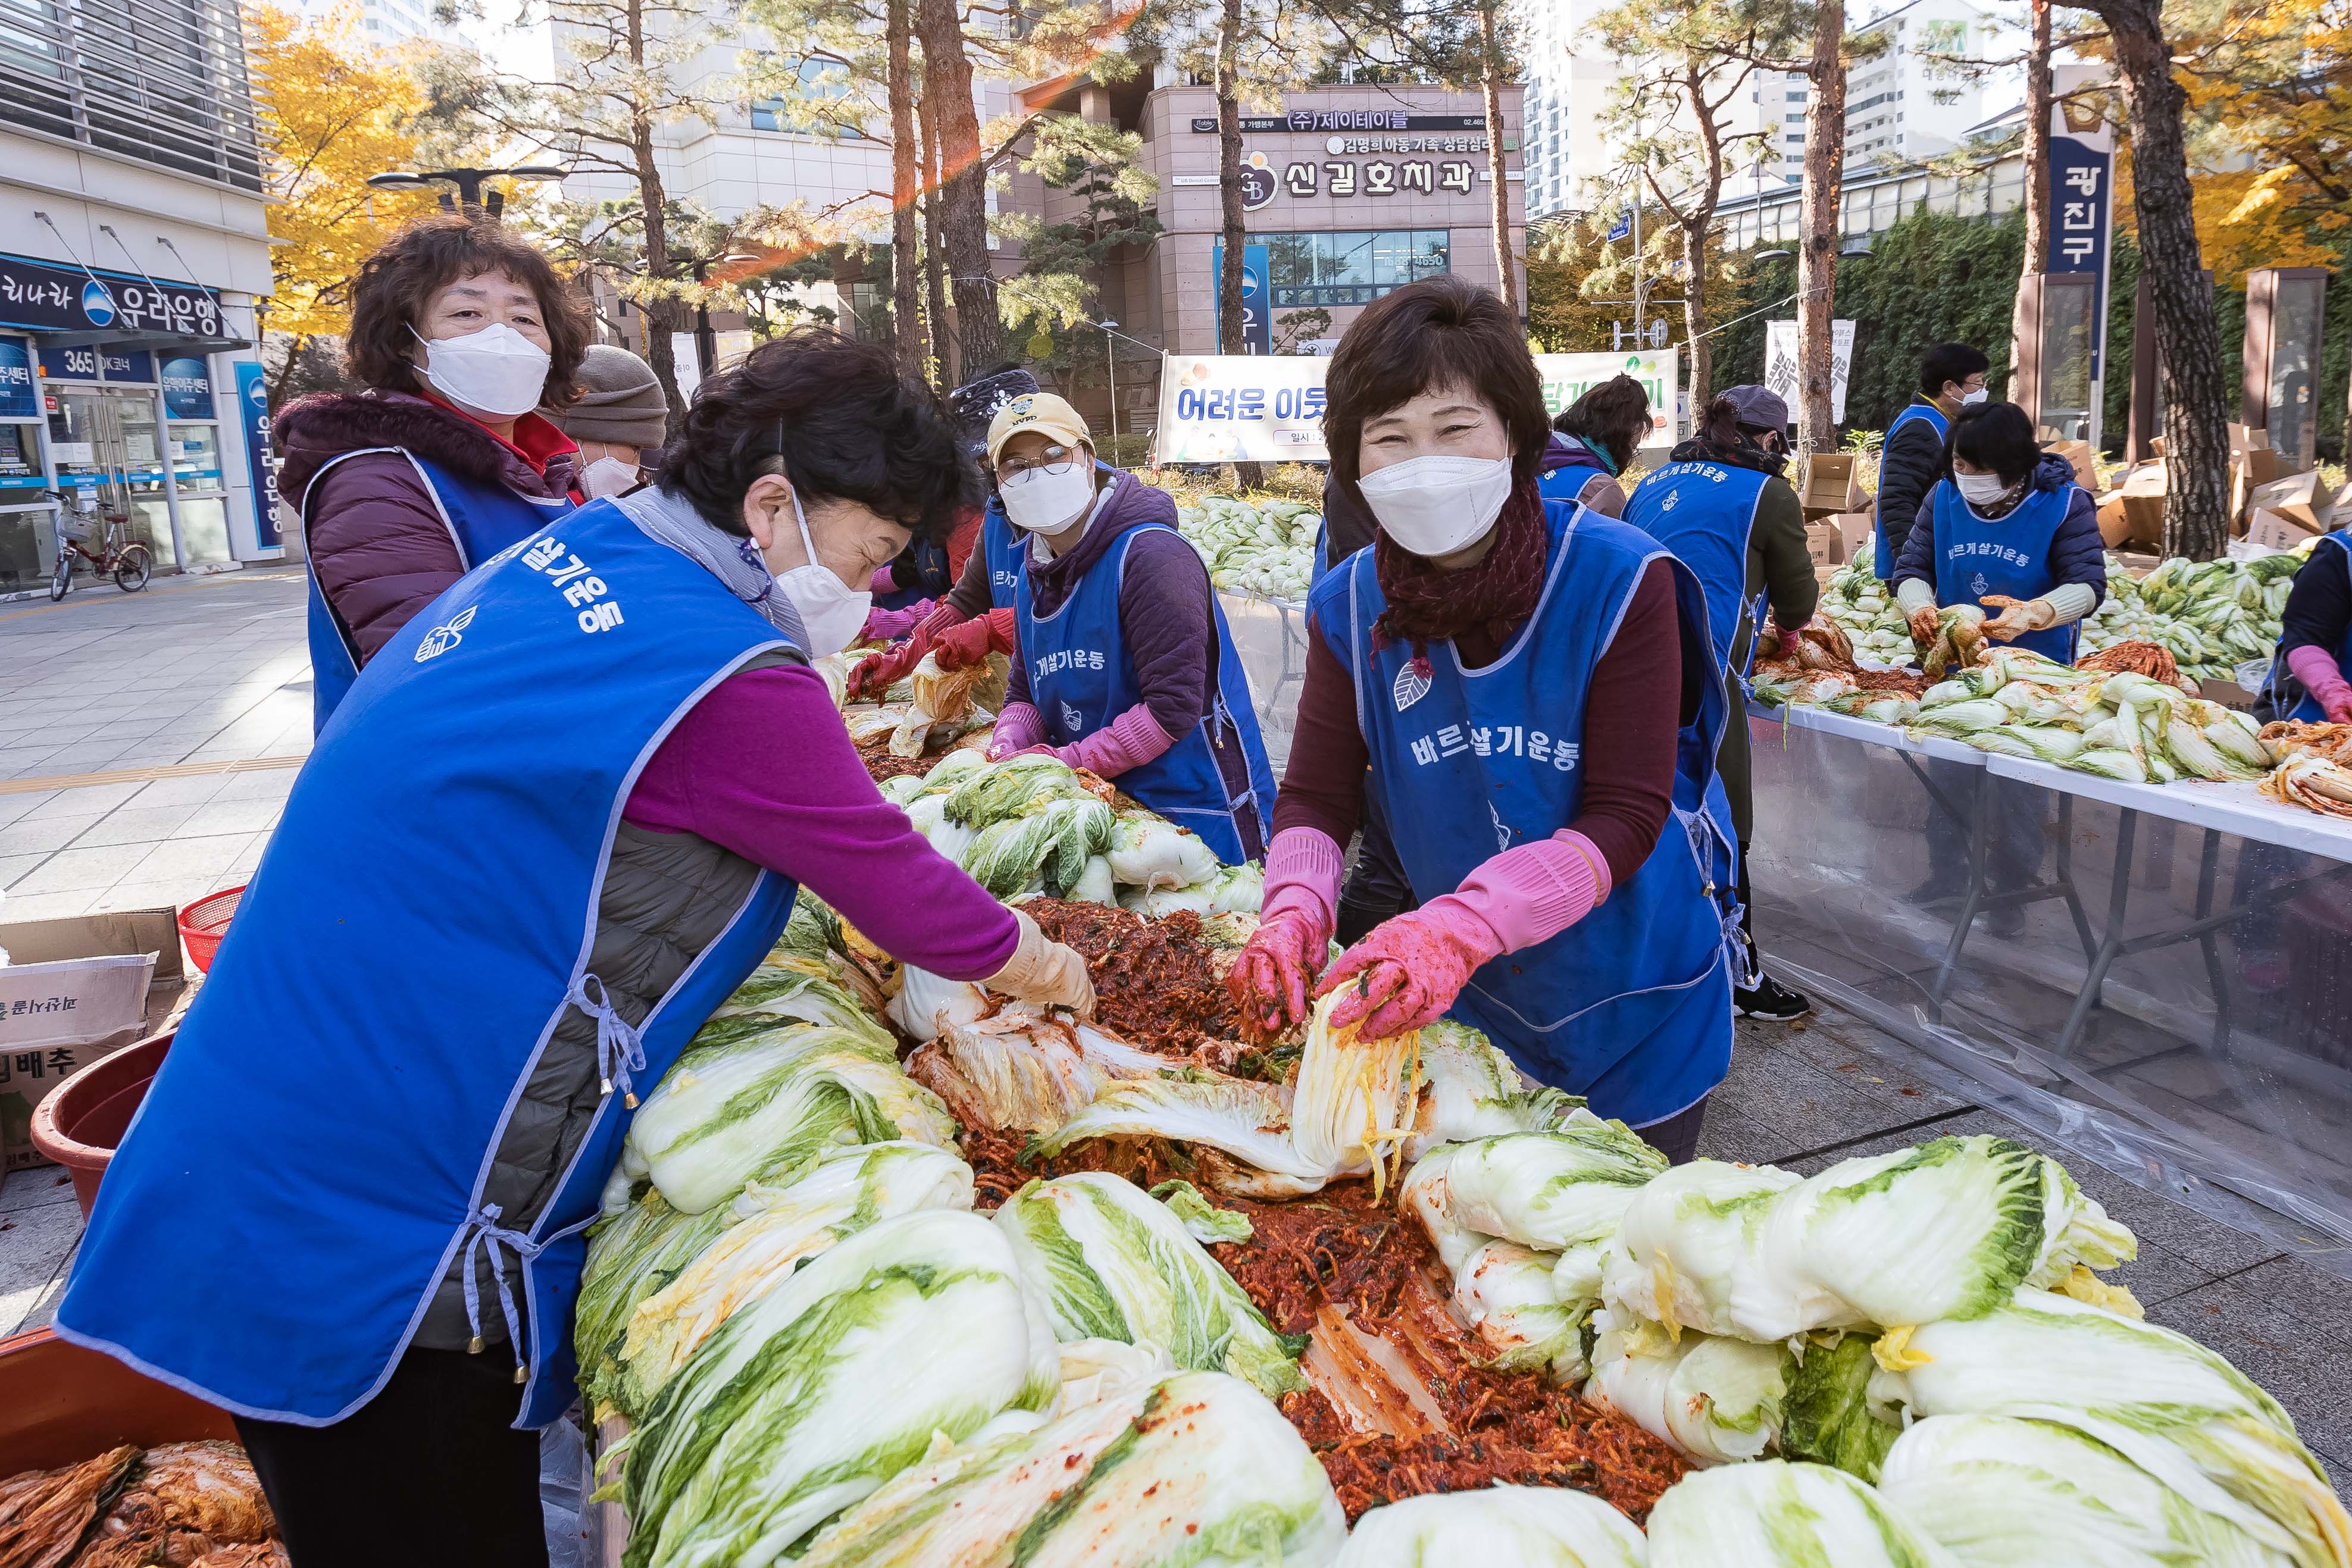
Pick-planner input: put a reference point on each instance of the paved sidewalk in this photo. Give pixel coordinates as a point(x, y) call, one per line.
point(193, 670)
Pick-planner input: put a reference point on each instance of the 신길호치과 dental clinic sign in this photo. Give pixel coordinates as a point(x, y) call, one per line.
point(1255, 408)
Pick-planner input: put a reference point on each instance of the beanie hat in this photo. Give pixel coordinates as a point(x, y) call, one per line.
point(974, 403)
point(619, 401)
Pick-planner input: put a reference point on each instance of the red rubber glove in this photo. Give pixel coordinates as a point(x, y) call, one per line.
point(871, 677)
point(1408, 970)
point(1269, 982)
point(973, 642)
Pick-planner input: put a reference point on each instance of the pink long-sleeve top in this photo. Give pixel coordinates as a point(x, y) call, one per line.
point(762, 766)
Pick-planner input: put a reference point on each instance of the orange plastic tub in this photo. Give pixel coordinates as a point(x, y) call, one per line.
point(60, 1405)
point(80, 1124)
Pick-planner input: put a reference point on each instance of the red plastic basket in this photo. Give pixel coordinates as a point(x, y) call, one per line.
point(204, 923)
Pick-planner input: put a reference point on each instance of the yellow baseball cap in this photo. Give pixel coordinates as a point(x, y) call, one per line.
point(1042, 412)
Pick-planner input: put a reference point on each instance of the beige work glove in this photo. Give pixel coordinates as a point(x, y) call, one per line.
point(2017, 617)
point(1044, 971)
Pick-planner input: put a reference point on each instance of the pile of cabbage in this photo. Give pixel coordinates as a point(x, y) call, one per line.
point(1908, 1359)
point(1864, 608)
point(2213, 615)
point(1266, 548)
point(926, 708)
point(1030, 825)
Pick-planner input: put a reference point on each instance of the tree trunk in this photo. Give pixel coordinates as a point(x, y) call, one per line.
point(1702, 352)
point(1817, 261)
point(2037, 140)
point(295, 344)
point(963, 218)
point(2188, 344)
point(935, 282)
point(1490, 84)
point(662, 312)
point(906, 332)
point(1231, 338)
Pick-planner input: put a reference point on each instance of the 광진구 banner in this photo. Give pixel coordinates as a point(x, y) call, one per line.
point(1257, 408)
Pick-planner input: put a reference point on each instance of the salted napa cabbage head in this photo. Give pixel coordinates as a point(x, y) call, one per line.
point(2171, 1406)
point(632, 1252)
point(1503, 1294)
point(1995, 1491)
point(816, 1393)
point(1238, 1126)
point(1471, 1089)
point(1352, 1102)
point(776, 1231)
point(1715, 1401)
point(1841, 1407)
point(1946, 1229)
point(1689, 1250)
point(1199, 1468)
point(1774, 1514)
point(1110, 1262)
point(803, 991)
point(1151, 852)
point(1547, 1190)
point(1497, 1527)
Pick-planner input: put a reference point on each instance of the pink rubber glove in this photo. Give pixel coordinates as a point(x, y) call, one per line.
point(1130, 740)
point(884, 625)
point(1019, 727)
point(882, 582)
point(2316, 667)
point(1269, 982)
point(1410, 968)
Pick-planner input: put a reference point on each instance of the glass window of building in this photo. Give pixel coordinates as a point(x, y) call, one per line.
point(1348, 267)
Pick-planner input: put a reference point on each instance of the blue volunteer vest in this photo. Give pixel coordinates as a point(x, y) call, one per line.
point(2308, 709)
point(1704, 512)
point(482, 520)
point(311, 1159)
point(1882, 557)
point(1080, 679)
point(1567, 484)
point(1631, 1007)
point(2011, 556)
point(1006, 551)
point(932, 579)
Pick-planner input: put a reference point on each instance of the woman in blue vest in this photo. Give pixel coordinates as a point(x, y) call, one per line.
point(554, 823)
point(1722, 506)
point(460, 330)
point(1529, 687)
point(2316, 633)
point(1592, 441)
point(1124, 665)
point(1911, 459)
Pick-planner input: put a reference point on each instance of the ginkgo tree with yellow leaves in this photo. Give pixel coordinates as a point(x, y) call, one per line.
point(332, 111)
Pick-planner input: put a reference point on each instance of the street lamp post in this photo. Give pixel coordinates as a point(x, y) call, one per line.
point(469, 181)
point(1110, 330)
point(1110, 366)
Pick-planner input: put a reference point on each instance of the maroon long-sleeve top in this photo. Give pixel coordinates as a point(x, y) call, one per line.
point(1633, 713)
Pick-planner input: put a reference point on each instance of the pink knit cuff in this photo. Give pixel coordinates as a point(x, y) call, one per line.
point(1532, 894)
point(882, 582)
point(1132, 739)
point(1018, 728)
point(2316, 668)
point(1303, 866)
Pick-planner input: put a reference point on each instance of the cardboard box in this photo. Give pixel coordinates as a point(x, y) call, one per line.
point(2229, 694)
point(2249, 471)
point(2087, 467)
point(2248, 438)
point(2301, 498)
point(2133, 512)
point(1825, 482)
point(1855, 528)
point(1826, 544)
point(88, 986)
point(2139, 563)
point(2276, 530)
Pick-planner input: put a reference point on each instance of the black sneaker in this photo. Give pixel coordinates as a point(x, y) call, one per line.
point(1938, 889)
point(1772, 1001)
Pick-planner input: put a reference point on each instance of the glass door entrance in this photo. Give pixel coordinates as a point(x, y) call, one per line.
point(106, 445)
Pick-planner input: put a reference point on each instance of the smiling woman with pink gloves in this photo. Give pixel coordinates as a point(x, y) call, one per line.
point(1523, 688)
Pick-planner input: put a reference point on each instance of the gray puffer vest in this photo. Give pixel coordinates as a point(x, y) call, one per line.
point(667, 896)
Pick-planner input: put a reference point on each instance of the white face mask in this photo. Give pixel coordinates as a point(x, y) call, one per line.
point(832, 612)
point(497, 371)
point(1435, 506)
point(1977, 396)
point(1047, 503)
point(608, 475)
point(1980, 489)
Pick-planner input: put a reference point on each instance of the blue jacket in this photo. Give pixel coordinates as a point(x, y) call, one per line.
point(2077, 553)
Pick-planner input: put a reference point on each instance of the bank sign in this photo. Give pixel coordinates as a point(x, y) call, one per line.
point(46, 297)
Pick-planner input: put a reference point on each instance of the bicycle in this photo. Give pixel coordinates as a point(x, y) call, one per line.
point(127, 560)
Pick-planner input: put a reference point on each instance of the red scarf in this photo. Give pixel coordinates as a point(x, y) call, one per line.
point(1428, 604)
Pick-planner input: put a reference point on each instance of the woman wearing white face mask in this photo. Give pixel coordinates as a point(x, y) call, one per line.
point(460, 330)
point(620, 416)
point(1122, 663)
point(591, 778)
point(1527, 690)
point(2007, 519)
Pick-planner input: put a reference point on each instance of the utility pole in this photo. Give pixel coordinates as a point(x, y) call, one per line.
point(1110, 368)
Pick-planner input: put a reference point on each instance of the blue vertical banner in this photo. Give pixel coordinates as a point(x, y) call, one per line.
point(1257, 316)
point(2082, 176)
point(18, 398)
point(253, 417)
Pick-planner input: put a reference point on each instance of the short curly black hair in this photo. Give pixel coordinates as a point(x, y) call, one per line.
point(845, 422)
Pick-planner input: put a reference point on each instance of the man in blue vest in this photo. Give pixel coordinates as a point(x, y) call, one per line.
point(1951, 376)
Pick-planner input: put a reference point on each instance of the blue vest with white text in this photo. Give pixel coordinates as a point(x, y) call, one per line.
point(2009, 555)
point(1567, 484)
point(311, 1158)
point(1080, 678)
point(1631, 1007)
point(1704, 512)
point(1882, 557)
point(482, 520)
point(2308, 709)
point(1007, 550)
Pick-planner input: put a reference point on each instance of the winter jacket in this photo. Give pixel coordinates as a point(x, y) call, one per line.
point(376, 540)
point(1602, 492)
point(2077, 554)
point(1780, 566)
point(1908, 467)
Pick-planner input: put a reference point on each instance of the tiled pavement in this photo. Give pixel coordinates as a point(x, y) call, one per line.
point(215, 670)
